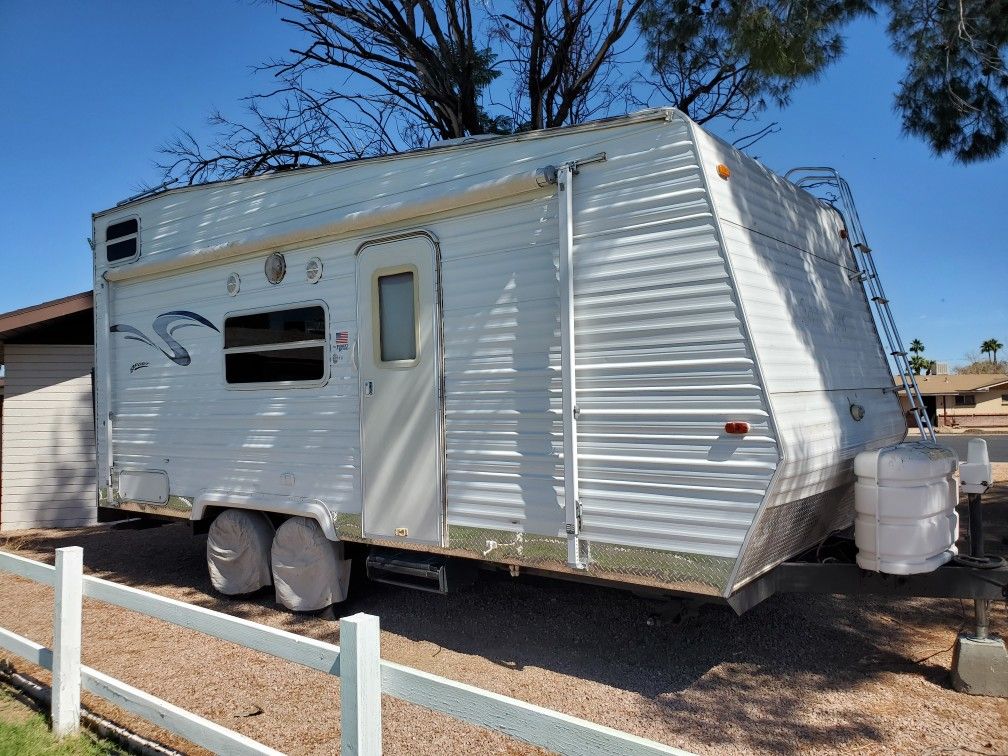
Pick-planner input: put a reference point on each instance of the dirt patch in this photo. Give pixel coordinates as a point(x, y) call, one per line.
point(797, 674)
point(1000, 471)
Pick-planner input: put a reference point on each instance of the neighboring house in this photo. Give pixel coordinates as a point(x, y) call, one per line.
point(974, 401)
point(47, 445)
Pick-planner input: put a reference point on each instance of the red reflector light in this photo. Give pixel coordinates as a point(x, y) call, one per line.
point(736, 427)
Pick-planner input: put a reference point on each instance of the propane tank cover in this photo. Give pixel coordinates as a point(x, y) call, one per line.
point(905, 499)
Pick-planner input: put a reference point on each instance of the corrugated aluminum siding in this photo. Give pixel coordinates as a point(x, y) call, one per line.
point(207, 435)
point(48, 437)
point(502, 383)
point(817, 345)
point(662, 360)
point(809, 322)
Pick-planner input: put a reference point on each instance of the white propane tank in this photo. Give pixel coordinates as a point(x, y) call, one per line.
point(905, 498)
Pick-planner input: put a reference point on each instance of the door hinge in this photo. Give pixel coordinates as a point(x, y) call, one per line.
point(573, 528)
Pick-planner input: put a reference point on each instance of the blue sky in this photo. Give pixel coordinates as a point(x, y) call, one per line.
point(92, 89)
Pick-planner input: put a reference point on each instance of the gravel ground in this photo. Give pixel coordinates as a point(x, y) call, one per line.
point(797, 674)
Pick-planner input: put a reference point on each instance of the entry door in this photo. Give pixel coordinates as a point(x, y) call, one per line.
point(397, 315)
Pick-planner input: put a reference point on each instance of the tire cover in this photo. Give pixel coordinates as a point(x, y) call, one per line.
point(238, 549)
point(309, 571)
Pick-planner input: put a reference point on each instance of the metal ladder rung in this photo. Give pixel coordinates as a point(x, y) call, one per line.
point(880, 300)
point(899, 354)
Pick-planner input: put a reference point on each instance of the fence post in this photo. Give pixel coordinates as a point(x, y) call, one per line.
point(66, 676)
point(360, 685)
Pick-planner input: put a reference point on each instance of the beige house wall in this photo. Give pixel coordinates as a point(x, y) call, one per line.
point(48, 438)
point(990, 409)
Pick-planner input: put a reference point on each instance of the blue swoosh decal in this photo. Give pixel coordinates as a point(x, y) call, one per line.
point(165, 325)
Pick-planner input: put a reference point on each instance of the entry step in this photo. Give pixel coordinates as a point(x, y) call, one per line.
point(424, 572)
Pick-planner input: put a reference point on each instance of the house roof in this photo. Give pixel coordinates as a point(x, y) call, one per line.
point(65, 320)
point(933, 385)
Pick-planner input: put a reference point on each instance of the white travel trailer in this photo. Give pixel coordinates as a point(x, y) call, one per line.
point(623, 351)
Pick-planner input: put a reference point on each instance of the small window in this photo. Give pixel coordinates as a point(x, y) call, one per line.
point(279, 346)
point(965, 400)
point(121, 240)
point(1004, 399)
point(397, 317)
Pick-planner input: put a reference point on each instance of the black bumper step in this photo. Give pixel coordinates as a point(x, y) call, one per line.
point(424, 572)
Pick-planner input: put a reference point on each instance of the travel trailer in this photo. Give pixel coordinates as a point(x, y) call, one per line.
point(622, 352)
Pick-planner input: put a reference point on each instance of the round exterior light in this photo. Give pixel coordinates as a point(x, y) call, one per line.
point(313, 270)
point(276, 268)
point(233, 284)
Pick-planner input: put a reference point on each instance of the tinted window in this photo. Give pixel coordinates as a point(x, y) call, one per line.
point(121, 250)
point(121, 240)
point(120, 229)
point(268, 366)
point(277, 346)
point(277, 327)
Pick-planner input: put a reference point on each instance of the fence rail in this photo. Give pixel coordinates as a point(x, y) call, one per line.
point(364, 676)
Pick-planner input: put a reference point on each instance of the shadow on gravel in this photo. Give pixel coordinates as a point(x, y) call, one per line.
point(755, 672)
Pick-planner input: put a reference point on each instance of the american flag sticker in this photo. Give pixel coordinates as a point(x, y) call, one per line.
point(341, 337)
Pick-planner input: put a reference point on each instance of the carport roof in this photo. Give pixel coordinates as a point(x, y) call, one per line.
point(60, 321)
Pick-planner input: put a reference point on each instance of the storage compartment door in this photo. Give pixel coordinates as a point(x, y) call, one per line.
point(398, 347)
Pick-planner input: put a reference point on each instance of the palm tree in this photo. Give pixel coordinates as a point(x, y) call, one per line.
point(918, 363)
point(917, 346)
point(991, 347)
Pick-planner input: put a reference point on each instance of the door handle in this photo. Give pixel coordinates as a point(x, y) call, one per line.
point(368, 388)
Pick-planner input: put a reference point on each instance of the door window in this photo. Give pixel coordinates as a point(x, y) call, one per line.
point(397, 331)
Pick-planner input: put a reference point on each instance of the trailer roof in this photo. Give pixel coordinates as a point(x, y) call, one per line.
point(462, 143)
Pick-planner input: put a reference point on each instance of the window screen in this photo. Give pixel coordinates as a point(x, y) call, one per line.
point(396, 317)
point(276, 346)
point(121, 240)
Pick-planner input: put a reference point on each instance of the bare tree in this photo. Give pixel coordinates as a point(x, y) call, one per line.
point(379, 76)
point(372, 78)
point(564, 55)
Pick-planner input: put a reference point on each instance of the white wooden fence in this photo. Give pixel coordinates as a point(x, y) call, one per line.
point(364, 675)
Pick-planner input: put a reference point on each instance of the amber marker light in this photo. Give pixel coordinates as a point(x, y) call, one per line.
point(737, 427)
point(723, 171)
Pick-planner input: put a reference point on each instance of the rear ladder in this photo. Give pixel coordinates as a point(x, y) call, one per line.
point(866, 272)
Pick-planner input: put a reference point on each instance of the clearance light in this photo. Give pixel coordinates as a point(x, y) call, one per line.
point(723, 171)
point(736, 427)
point(843, 233)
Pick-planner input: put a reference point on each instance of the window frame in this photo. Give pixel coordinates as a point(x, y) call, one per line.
point(283, 346)
point(105, 242)
point(965, 403)
point(378, 362)
point(1004, 399)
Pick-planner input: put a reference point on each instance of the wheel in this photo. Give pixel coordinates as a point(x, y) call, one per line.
point(238, 551)
point(309, 570)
